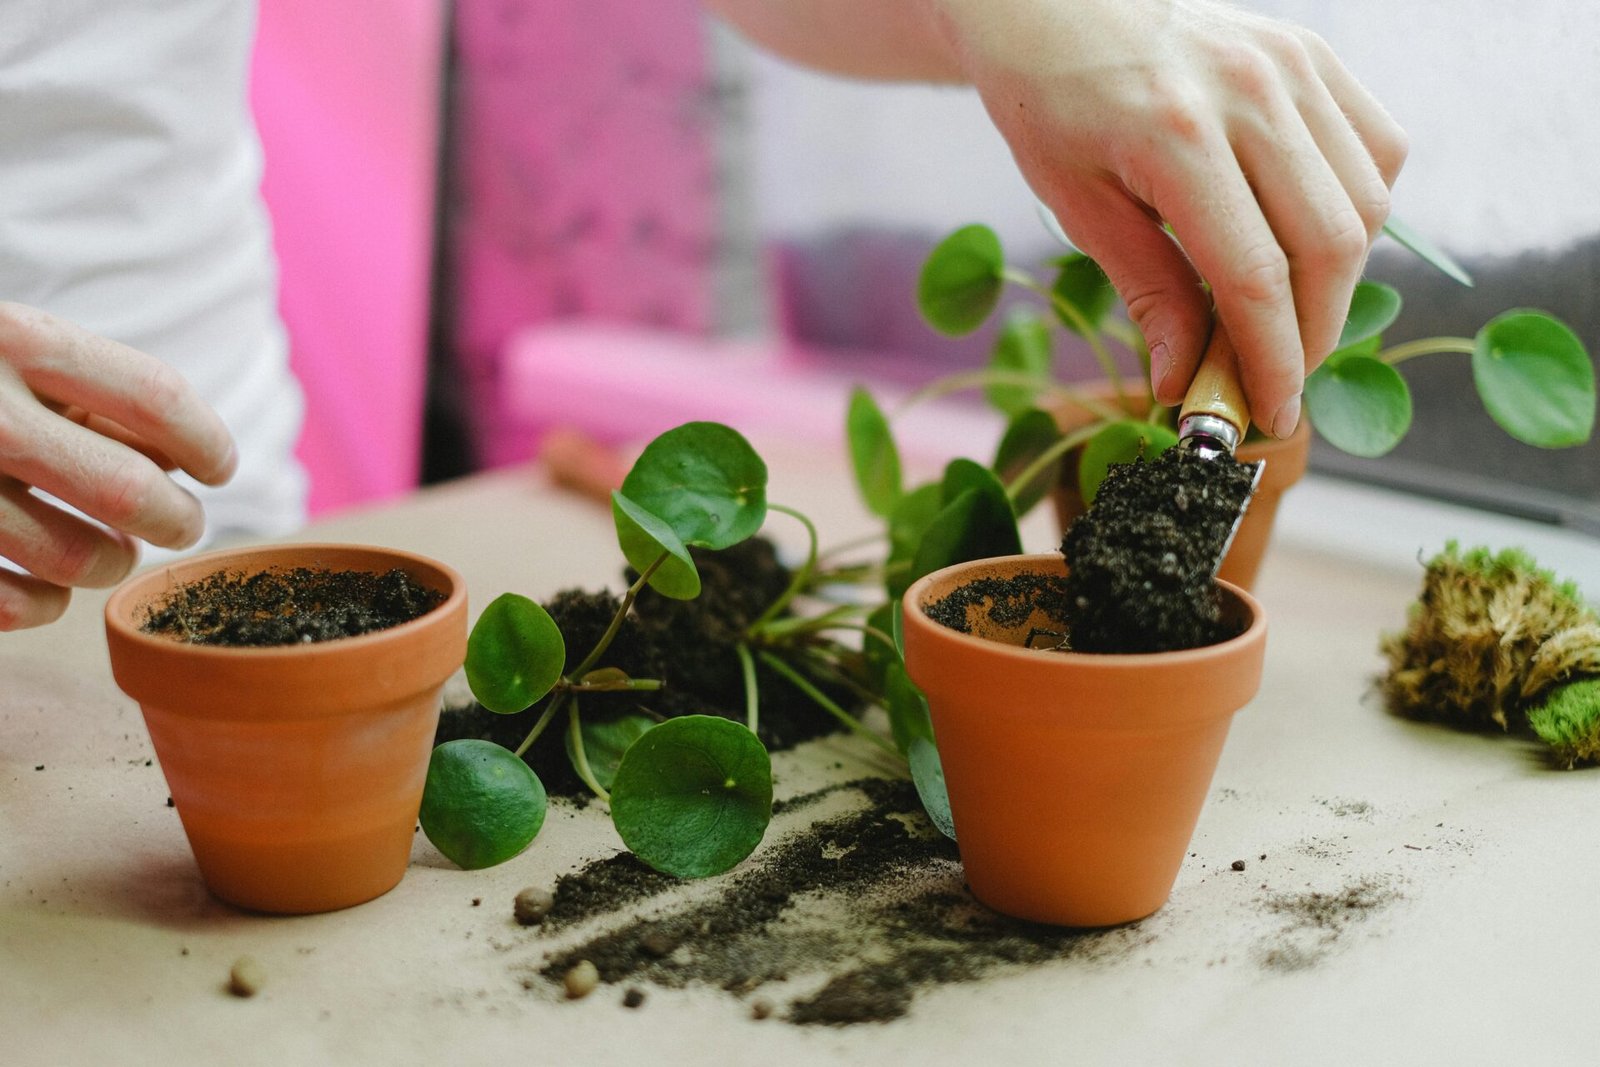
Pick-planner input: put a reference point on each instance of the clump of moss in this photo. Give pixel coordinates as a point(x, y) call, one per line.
point(1495, 641)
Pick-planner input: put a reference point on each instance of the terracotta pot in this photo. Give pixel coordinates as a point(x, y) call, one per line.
point(1286, 464)
point(297, 770)
point(1075, 780)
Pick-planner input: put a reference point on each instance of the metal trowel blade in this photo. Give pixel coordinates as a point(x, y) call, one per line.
point(1260, 465)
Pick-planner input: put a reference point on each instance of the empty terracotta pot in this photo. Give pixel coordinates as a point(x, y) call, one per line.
point(1286, 465)
point(297, 770)
point(1075, 780)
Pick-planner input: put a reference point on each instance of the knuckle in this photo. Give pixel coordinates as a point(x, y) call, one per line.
point(161, 391)
point(1248, 72)
point(1389, 149)
point(123, 496)
point(69, 561)
point(22, 331)
point(1345, 238)
point(1175, 113)
point(1261, 276)
point(1290, 51)
point(1372, 204)
point(30, 603)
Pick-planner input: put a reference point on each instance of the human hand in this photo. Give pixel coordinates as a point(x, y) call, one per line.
point(1246, 136)
point(95, 424)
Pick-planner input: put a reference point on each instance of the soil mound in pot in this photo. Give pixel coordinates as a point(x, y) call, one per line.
point(1142, 560)
point(301, 605)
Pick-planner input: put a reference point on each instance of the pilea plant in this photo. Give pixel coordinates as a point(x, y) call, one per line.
point(690, 795)
point(1531, 371)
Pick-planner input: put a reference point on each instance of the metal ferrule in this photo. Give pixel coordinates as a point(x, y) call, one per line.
point(1207, 434)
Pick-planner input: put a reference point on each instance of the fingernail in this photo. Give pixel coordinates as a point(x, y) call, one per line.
point(1160, 367)
point(1287, 418)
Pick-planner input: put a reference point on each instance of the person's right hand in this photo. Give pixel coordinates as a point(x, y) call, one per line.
point(96, 425)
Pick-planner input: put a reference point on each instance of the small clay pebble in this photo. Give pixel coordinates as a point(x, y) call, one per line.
point(761, 1008)
point(633, 998)
point(246, 977)
point(1238, 865)
point(532, 905)
point(581, 980)
point(659, 943)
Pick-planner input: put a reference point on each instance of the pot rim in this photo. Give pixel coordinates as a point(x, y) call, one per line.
point(141, 588)
point(915, 595)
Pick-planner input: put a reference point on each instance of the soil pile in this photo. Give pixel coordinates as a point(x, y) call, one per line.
point(1142, 560)
point(688, 644)
point(301, 605)
point(778, 932)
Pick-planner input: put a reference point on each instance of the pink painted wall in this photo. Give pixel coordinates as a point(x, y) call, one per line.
point(346, 99)
point(586, 180)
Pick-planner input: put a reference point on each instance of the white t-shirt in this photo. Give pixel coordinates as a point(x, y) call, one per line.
point(130, 204)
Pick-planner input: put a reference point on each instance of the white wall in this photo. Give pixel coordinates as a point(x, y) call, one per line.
point(1502, 103)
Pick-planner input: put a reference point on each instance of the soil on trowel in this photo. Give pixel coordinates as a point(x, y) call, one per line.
point(300, 605)
point(842, 921)
point(1142, 560)
point(689, 645)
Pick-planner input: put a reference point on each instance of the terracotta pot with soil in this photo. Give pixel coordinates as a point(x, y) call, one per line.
point(1075, 779)
point(1286, 465)
point(292, 694)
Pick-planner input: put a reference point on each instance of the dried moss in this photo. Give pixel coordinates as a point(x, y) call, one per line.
point(1492, 638)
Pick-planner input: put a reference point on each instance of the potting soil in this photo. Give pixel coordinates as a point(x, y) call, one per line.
point(1142, 560)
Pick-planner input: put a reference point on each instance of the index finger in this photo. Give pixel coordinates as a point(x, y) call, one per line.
point(70, 365)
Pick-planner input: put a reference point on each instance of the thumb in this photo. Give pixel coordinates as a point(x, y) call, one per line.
point(1160, 287)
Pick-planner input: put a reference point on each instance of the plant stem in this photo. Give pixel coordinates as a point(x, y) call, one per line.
point(862, 628)
point(645, 685)
point(580, 757)
point(801, 576)
point(752, 692)
point(851, 545)
point(955, 383)
point(849, 721)
point(1427, 346)
point(779, 628)
point(628, 598)
point(556, 700)
point(1042, 462)
point(1090, 333)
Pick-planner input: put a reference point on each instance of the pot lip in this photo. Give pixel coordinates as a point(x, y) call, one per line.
point(1126, 661)
point(141, 587)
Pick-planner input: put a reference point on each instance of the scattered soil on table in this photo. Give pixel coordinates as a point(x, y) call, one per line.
point(1142, 559)
point(850, 915)
point(1315, 922)
point(300, 605)
point(687, 644)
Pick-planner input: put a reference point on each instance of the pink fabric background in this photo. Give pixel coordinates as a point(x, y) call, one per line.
point(346, 99)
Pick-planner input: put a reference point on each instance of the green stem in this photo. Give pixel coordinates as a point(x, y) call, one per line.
point(1042, 462)
point(849, 721)
point(850, 546)
point(628, 598)
point(862, 628)
point(779, 628)
point(1427, 346)
point(550, 709)
point(580, 756)
point(752, 692)
point(976, 379)
point(647, 685)
point(800, 577)
point(1090, 333)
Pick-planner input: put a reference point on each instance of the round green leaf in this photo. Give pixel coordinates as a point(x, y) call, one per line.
point(872, 453)
point(693, 796)
point(977, 524)
point(1373, 307)
point(927, 774)
point(1535, 379)
point(1081, 284)
point(1025, 439)
point(481, 804)
point(1023, 347)
point(1119, 442)
point(1359, 404)
point(605, 741)
point(961, 280)
point(908, 524)
point(514, 654)
point(705, 481)
point(642, 538)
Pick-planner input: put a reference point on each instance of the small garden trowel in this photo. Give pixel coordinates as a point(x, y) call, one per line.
point(1214, 417)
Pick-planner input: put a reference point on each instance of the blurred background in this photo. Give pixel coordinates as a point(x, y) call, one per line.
point(618, 216)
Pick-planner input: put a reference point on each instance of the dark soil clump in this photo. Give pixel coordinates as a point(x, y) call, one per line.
point(1142, 560)
point(870, 902)
point(288, 607)
point(687, 644)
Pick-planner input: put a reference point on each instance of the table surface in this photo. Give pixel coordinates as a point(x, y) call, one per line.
point(1474, 858)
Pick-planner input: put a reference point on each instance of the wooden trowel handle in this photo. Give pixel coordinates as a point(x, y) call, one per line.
point(1215, 391)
